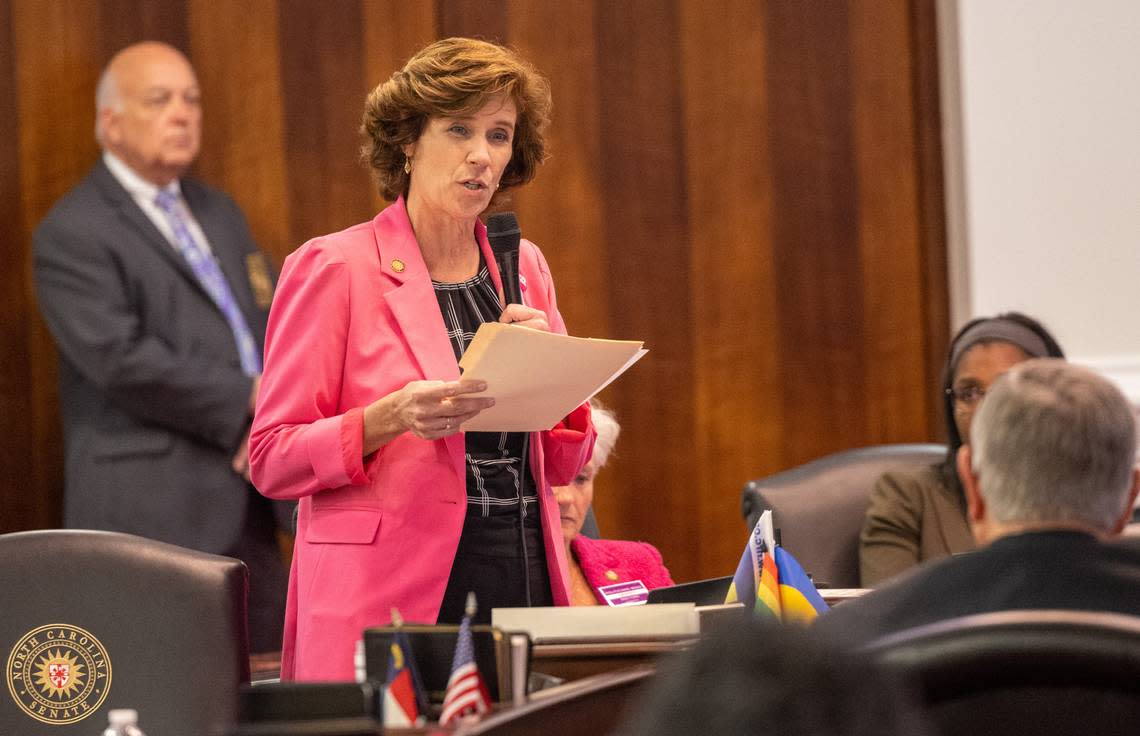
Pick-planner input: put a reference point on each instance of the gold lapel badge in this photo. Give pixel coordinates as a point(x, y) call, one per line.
point(398, 265)
point(260, 283)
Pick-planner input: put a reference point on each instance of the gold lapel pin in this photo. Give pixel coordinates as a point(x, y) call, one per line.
point(397, 265)
point(611, 575)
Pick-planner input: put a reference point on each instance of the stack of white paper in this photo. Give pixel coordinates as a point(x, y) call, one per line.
point(600, 622)
point(537, 378)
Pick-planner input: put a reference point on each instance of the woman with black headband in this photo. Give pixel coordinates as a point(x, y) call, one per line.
point(914, 517)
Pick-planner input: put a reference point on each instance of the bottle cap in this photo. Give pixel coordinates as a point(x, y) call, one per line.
point(123, 717)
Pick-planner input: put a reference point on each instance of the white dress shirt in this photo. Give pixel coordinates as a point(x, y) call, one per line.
point(143, 192)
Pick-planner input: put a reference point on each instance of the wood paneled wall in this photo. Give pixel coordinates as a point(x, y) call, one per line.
point(752, 187)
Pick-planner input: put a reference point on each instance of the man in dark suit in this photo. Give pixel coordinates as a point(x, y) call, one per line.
point(157, 298)
point(1050, 478)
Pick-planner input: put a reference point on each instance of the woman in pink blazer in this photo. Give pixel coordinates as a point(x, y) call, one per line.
point(360, 405)
point(595, 564)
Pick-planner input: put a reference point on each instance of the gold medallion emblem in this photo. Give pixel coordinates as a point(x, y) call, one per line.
point(260, 282)
point(397, 265)
point(58, 674)
point(611, 575)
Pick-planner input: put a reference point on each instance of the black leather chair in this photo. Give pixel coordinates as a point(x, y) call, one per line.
point(1043, 673)
point(819, 506)
point(91, 621)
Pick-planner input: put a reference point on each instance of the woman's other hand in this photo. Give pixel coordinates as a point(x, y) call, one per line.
point(520, 314)
point(434, 409)
point(428, 409)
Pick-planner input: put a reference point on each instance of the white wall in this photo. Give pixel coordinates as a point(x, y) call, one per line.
point(1041, 108)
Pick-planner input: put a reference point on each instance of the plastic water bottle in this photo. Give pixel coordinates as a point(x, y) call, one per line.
point(123, 722)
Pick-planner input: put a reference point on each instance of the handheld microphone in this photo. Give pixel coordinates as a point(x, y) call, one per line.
point(504, 235)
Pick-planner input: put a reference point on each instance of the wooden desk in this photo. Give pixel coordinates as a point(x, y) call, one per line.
point(571, 659)
point(602, 677)
point(593, 705)
point(835, 596)
point(265, 667)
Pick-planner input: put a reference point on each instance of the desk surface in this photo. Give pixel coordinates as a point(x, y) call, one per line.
point(594, 705)
point(574, 660)
point(835, 596)
point(264, 667)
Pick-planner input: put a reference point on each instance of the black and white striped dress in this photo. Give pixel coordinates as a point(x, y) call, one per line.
point(490, 559)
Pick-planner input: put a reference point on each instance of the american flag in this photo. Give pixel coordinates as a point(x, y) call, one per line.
point(466, 691)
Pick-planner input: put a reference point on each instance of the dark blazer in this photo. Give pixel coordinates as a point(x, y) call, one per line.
point(1058, 570)
point(153, 397)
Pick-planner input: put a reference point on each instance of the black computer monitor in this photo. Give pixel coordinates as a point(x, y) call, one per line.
point(701, 592)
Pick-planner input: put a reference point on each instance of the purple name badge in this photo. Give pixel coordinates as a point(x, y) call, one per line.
point(633, 593)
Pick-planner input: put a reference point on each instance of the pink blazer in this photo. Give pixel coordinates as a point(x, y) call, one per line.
point(608, 561)
point(355, 318)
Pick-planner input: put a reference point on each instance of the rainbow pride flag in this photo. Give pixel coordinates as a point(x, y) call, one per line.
point(771, 581)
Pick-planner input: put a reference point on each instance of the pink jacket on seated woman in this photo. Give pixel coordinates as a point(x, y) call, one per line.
point(608, 561)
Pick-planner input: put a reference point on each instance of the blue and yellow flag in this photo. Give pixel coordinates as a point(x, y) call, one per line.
point(799, 600)
point(771, 582)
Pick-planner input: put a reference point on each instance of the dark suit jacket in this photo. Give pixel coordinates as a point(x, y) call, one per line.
point(152, 393)
point(1058, 570)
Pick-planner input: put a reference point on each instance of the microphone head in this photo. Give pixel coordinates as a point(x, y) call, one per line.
point(503, 232)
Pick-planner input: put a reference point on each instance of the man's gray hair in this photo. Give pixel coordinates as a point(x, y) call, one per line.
point(1054, 442)
point(106, 96)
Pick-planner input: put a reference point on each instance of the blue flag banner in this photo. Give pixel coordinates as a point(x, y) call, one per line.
point(799, 599)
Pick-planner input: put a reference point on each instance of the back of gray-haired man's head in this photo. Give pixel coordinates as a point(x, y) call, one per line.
point(1054, 442)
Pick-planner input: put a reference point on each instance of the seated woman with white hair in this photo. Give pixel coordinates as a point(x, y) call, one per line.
point(597, 563)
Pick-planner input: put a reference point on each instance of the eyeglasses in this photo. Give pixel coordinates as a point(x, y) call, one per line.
point(969, 396)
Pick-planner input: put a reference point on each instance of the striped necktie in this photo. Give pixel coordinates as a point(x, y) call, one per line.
point(212, 279)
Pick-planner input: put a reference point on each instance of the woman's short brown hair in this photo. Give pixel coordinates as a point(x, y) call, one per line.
point(455, 76)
